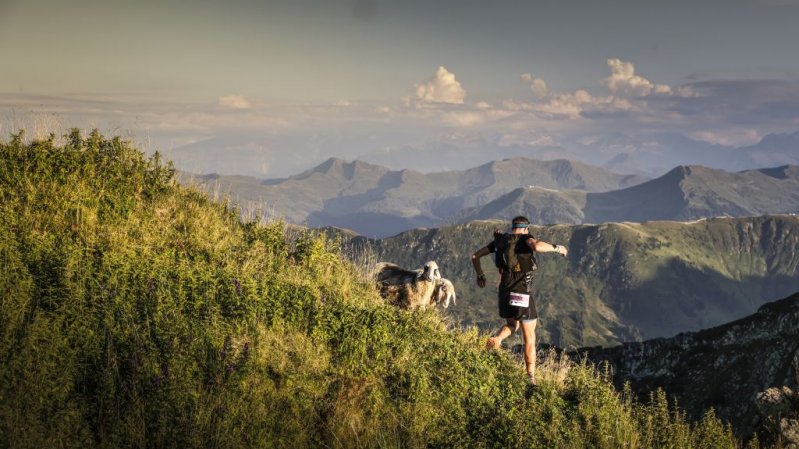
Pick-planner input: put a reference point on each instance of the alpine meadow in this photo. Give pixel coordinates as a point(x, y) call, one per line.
point(135, 312)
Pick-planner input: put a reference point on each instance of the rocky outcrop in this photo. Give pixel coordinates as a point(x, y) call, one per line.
point(747, 370)
point(779, 408)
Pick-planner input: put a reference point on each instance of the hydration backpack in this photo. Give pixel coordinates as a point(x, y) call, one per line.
point(505, 257)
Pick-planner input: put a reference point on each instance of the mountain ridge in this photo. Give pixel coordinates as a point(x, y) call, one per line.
point(375, 200)
point(686, 192)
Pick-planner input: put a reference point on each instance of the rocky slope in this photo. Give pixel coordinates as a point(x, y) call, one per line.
point(724, 367)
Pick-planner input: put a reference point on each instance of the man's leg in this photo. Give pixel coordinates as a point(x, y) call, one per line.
point(528, 331)
point(504, 332)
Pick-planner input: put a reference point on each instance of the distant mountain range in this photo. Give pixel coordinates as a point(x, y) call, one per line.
point(656, 154)
point(652, 154)
point(621, 281)
point(378, 202)
point(684, 193)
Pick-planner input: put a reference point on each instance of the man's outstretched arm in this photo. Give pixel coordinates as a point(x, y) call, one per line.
point(481, 277)
point(541, 246)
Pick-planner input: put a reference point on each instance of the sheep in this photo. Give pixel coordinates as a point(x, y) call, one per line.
point(409, 289)
point(443, 293)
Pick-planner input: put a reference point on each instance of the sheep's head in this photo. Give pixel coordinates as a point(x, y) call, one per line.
point(430, 272)
point(444, 292)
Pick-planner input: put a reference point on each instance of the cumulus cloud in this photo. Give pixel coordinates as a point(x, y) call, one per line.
point(568, 104)
point(441, 88)
point(538, 85)
point(624, 81)
point(234, 102)
point(626, 92)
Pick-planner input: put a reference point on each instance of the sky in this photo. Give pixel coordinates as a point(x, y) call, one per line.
point(269, 88)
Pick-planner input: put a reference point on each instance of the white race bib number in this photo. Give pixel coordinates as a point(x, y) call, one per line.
point(519, 300)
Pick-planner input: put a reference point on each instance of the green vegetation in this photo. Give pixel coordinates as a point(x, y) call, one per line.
point(137, 313)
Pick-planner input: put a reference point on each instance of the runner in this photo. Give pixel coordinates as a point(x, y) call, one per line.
point(515, 259)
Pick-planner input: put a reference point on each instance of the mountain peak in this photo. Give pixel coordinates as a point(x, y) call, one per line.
point(686, 171)
point(333, 163)
point(336, 166)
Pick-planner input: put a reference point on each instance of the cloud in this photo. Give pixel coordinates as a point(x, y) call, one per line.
point(463, 118)
point(628, 93)
point(538, 85)
point(729, 137)
point(441, 88)
point(624, 81)
point(234, 102)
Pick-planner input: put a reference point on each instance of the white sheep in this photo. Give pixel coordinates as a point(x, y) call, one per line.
point(409, 289)
point(443, 293)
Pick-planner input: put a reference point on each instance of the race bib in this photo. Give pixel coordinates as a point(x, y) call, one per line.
point(519, 300)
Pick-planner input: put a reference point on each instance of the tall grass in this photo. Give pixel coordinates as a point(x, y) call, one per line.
point(137, 313)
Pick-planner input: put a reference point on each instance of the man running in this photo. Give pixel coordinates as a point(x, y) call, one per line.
point(516, 262)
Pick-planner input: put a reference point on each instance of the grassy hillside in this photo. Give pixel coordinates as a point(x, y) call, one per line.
point(622, 281)
point(137, 313)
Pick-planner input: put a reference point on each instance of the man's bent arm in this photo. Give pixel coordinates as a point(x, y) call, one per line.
point(476, 259)
point(481, 278)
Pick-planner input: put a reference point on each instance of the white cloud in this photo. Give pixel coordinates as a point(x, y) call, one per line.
point(538, 85)
point(624, 81)
point(483, 105)
point(526, 139)
point(734, 137)
point(441, 88)
point(463, 118)
point(567, 105)
point(624, 86)
point(234, 102)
